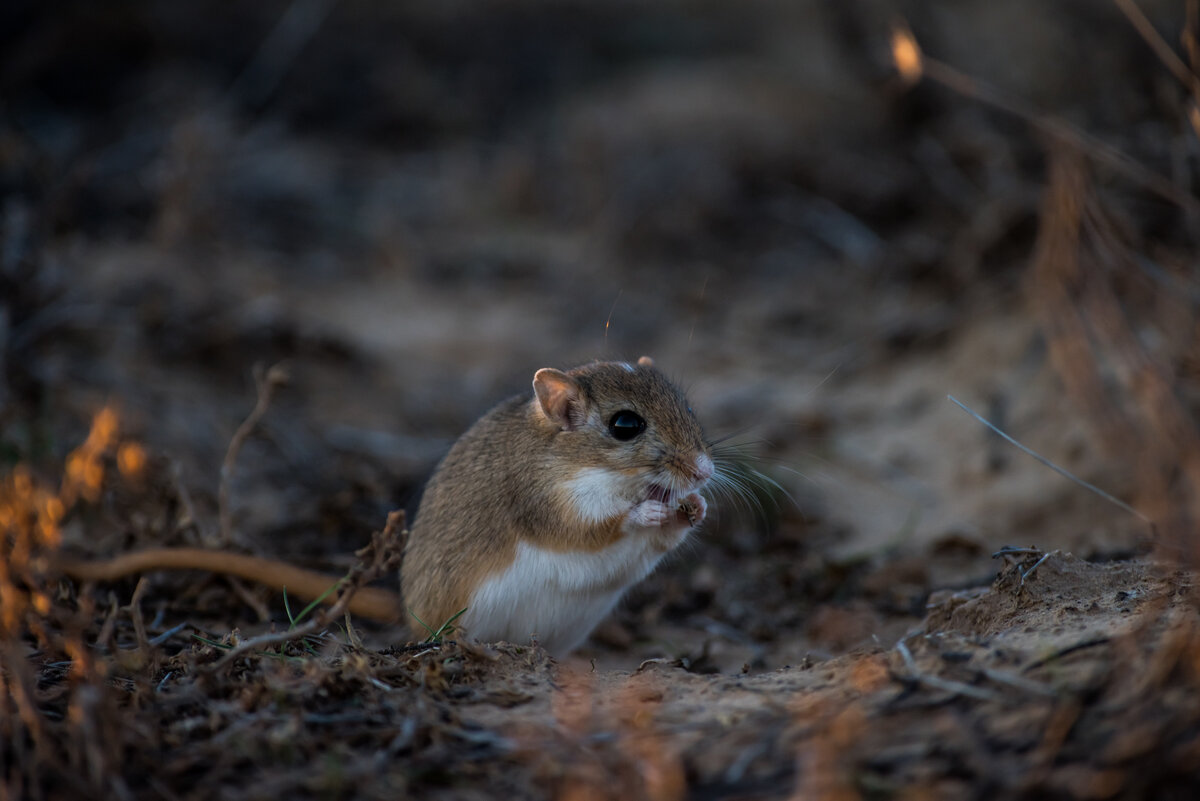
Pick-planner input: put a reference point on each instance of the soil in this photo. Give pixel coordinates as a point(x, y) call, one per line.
point(409, 209)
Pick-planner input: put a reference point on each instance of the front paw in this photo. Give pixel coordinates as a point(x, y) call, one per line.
point(688, 512)
point(692, 509)
point(651, 514)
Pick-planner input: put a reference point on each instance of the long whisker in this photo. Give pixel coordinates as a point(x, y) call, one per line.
point(736, 492)
point(731, 435)
point(747, 488)
point(828, 376)
point(608, 321)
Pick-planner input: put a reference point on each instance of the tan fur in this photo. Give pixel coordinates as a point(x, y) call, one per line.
point(502, 482)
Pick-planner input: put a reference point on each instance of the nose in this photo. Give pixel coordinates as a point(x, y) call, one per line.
point(703, 469)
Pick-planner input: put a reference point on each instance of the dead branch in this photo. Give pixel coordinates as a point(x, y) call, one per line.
point(382, 556)
point(266, 383)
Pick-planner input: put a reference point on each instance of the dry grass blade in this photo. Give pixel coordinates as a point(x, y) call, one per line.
point(1060, 470)
point(1165, 54)
point(381, 557)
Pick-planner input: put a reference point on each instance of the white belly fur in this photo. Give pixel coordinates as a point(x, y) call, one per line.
point(557, 598)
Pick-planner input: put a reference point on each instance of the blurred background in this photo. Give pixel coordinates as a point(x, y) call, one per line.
point(415, 206)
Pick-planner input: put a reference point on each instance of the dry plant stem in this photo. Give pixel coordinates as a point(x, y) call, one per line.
point(159, 639)
point(1161, 49)
point(1060, 470)
point(1027, 573)
point(109, 627)
point(351, 632)
point(185, 498)
point(266, 384)
point(1023, 684)
point(248, 598)
point(135, 613)
point(1061, 652)
point(1007, 551)
point(385, 552)
point(1062, 131)
point(369, 602)
point(1191, 36)
point(19, 688)
point(937, 682)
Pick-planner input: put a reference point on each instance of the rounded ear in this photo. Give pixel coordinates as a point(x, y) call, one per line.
point(559, 398)
point(646, 361)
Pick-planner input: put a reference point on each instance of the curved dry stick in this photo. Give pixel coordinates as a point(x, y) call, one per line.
point(308, 585)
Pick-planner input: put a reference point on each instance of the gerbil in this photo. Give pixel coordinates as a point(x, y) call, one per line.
point(550, 507)
point(535, 523)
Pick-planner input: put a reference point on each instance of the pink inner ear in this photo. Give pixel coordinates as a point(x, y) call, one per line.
point(558, 396)
point(646, 361)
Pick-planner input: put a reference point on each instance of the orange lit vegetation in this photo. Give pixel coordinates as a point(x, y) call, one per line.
point(906, 54)
point(31, 515)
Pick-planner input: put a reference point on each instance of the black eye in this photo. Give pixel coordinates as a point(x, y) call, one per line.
point(626, 425)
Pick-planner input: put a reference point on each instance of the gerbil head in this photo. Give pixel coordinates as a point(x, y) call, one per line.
point(627, 421)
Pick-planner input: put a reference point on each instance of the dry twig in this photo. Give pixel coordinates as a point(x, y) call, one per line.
point(1165, 54)
point(937, 682)
point(381, 557)
point(266, 383)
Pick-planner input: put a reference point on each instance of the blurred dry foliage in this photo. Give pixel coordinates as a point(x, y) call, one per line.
point(36, 627)
point(374, 193)
point(1098, 306)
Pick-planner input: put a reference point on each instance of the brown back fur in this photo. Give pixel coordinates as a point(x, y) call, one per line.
point(502, 482)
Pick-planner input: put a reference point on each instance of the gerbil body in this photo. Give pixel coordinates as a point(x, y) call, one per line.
point(550, 507)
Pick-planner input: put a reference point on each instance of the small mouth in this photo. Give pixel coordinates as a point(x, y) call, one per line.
point(659, 493)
